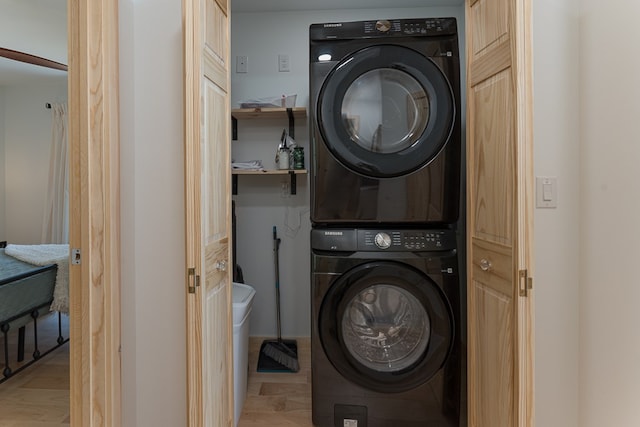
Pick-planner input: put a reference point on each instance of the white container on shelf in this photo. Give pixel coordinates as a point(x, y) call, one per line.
point(242, 303)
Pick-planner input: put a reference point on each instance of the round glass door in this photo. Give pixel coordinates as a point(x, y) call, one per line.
point(386, 326)
point(385, 111)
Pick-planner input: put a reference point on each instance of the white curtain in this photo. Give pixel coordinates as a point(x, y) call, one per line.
point(55, 226)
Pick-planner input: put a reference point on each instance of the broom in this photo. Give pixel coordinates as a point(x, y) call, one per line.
point(283, 352)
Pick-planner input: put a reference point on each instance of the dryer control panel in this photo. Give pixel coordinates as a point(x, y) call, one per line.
point(379, 240)
point(427, 27)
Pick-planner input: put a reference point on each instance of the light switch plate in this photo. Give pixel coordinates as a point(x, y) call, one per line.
point(242, 64)
point(283, 63)
point(546, 192)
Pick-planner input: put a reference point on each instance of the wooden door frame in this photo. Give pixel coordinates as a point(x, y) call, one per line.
point(95, 383)
point(92, 29)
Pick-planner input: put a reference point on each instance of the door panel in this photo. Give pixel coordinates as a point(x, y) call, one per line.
point(493, 340)
point(208, 215)
point(215, 159)
point(499, 144)
point(491, 24)
point(494, 376)
point(216, 368)
point(493, 159)
point(216, 26)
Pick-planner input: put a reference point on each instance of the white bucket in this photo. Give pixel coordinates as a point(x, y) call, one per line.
point(242, 303)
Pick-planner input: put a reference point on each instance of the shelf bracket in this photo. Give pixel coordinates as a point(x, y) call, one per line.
point(292, 175)
point(234, 129)
point(292, 127)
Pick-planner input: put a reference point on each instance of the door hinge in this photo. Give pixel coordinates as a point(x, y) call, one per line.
point(76, 256)
point(525, 283)
point(193, 280)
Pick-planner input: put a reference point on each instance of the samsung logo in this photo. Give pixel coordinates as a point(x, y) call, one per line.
point(333, 233)
point(332, 25)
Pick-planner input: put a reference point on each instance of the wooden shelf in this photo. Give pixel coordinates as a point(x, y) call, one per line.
point(291, 172)
point(268, 172)
point(290, 114)
point(268, 113)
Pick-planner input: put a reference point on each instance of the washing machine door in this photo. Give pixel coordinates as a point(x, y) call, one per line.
point(385, 111)
point(386, 326)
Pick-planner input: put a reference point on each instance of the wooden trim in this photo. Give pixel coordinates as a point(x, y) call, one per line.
point(31, 59)
point(95, 393)
point(523, 68)
point(192, 28)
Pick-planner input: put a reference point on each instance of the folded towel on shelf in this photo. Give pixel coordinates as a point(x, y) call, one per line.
point(250, 165)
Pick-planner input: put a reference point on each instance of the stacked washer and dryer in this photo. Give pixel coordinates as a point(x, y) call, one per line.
point(388, 303)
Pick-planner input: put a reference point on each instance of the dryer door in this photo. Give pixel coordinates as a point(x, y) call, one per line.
point(386, 326)
point(385, 111)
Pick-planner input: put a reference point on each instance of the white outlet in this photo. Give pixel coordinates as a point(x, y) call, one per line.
point(242, 64)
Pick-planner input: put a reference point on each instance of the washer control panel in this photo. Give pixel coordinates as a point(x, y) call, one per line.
point(406, 240)
point(376, 240)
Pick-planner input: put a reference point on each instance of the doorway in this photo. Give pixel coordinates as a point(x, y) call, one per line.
point(33, 89)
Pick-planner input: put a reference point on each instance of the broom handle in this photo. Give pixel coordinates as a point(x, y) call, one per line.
point(276, 247)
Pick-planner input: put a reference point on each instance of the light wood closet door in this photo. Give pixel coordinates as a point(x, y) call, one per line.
point(208, 213)
point(499, 213)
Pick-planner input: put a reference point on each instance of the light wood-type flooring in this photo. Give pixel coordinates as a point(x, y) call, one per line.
point(38, 396)
point(278, 399)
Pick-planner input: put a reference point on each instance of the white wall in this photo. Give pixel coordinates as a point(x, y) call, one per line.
point(610, 208)
point(556, 231)
point(153, 268)
point(259, 203)
point(36, 27)
point(27, 140)
point(586, 109)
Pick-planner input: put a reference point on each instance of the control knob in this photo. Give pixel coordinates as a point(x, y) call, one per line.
point(383, 26)
point(383, 240)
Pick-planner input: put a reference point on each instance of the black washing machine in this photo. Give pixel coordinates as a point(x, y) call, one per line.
point(387, 337)
point(385, 122)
